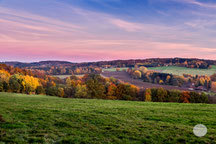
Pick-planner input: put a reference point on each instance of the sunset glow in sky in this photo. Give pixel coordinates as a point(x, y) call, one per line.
point(94, 30)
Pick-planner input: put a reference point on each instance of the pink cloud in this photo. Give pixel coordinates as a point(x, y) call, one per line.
point(127, 26)
point(32, 37)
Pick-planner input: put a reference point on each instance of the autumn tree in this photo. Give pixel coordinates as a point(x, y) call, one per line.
point(213, 86)
point(81, 91)
point(185, 97)
point(148, 95)
point(15, 83)
point(40, 90)
point(143, 69)
point(173, 96)
point(161, 94)
point(213, 77)
point(137, 74)
point(95, 86)
point(4, 80)
point(60, 92)
point(29, 84)
point(111, 90)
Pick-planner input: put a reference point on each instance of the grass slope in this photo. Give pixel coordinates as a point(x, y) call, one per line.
point(114, 69)
point(44, 119)
point(177, 70)
point(66, 76)
point(183, 70)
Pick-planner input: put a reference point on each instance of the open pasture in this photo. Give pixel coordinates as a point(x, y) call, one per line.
point(183, 70)
point(46, 119)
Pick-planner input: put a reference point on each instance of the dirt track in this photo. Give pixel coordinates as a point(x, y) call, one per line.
point(125, 77)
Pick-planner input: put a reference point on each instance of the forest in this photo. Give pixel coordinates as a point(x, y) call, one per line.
point(89, 86)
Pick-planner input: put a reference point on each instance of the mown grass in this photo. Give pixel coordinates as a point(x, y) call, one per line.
point(44, 119)
point(66, 76)
point(114, 69)
point(183, 70)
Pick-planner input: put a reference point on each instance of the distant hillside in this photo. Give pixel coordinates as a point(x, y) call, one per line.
point(39, 64)
point(152, 62)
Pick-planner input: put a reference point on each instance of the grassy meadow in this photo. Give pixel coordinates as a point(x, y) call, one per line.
point(183, 70)
point(45, 119)
point(66, 76)
point(176, 70)
point(114, 69)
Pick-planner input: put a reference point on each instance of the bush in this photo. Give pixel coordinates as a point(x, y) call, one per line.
point(204, 98)
point(69, 92)
point(194, 97)
point(173, 96)
point(40, 90)
point(126, 97)
point(52, 91)
point(154, 94)
point(198, 98)
point(111, 97)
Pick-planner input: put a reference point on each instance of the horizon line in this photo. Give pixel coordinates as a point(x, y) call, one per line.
point(104, 60)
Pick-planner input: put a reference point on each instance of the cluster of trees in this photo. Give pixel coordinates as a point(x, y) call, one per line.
point(162, 95)
point(94, 86)
point(25, 81)
point(90, 86)
point(194, 64)
point(156, 77)
point(197, 82)
point(18, 83)
point(71, 70)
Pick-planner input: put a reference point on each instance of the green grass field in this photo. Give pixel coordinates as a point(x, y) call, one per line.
point(44, 119)
point(176, 70)
point(114, 69)
point(183, 70)
point(61, 76)
point(66, 76)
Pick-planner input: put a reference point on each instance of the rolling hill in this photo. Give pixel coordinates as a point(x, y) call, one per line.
point(45, 119)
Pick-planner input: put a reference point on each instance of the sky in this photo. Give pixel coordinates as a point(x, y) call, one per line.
point(97, 30)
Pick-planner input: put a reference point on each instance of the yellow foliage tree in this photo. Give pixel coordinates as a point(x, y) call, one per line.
point(4, 75)
point(161, 82)
point(148, 95)
point(137, 74)
point(143, 69)
point(29, 83)
point(60, 92)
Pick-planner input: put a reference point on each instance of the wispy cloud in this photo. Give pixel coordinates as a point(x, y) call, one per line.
point(87, 35)
point(127, 26)
point(197, 3)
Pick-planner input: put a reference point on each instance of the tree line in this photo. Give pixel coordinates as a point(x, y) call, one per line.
point(206, 82)
point(91, 86)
